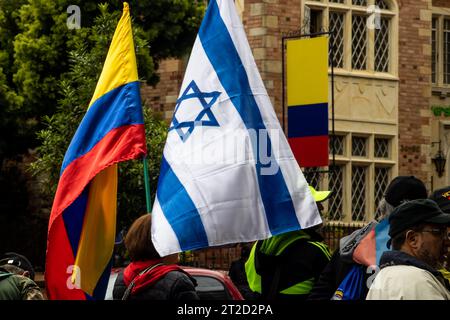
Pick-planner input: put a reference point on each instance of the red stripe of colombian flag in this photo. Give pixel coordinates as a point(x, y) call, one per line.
point(307, 95)
point(82, 223)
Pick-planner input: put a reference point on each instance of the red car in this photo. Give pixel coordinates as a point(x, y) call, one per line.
point(211, 284)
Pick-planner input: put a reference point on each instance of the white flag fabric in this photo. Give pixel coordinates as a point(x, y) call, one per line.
point(227, 174)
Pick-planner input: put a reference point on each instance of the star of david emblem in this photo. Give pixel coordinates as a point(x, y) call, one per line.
point(198, 101)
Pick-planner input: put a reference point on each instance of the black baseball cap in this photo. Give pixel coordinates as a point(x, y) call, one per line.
point(19, 261)
point(442, 198)
point(404, 188)
point(414, 212)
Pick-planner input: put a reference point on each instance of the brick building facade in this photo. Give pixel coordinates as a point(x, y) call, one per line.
point(384, 99)
point(414, 88)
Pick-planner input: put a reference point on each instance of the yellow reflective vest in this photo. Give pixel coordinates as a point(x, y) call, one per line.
point(276, 246)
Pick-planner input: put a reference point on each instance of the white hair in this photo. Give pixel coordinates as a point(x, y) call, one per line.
point(384, 209)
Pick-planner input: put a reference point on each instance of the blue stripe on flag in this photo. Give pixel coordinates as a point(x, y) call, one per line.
point(220, 49)
point(102, 284)
point(308, 120)
point(381, 238)
point(179, 210)
point(118, 107)
point(73, 218)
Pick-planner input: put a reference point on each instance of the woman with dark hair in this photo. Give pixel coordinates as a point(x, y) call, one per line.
point(148, 276)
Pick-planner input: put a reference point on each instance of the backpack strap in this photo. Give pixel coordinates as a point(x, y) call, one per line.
point(132, 283)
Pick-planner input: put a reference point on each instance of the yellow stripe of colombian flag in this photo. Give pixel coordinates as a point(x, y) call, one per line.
point(120, 65)
point(99, 226)
point(301, 89)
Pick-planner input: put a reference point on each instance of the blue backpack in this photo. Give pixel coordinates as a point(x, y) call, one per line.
point(351, 288)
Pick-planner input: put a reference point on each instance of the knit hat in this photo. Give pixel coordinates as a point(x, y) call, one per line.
point(18, 260)
point(404, 188)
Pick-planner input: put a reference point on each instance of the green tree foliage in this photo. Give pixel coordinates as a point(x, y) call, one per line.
point(76, 89)
point(48, 74)
point(34, 53)
point(10, 101)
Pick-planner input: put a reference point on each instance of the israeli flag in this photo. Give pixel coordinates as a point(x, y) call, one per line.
point(227, 174)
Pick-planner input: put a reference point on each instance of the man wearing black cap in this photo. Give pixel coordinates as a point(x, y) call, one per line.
point(401, 188)
point(16, 279)
point(417, 231)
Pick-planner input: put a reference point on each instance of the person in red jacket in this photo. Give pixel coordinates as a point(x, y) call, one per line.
point(149, 276)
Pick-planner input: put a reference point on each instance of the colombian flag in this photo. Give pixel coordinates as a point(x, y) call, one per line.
point(307, 99)
point(82, 223)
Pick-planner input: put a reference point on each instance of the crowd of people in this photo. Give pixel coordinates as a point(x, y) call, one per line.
point(412, 264)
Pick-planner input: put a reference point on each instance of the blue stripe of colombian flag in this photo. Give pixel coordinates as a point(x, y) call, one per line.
point(221, 52)
point(74, 220)
point(308, 133)
point(122, 110)
point(309, 120)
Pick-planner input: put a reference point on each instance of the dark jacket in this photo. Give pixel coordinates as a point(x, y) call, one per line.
point(340, 265)
point(331, 277)
point(237, 272)
point(239, 278)
point(174, 285)
point(289, 274)
point(17, 287)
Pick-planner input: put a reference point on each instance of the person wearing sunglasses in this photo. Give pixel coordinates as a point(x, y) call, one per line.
point(418, 236)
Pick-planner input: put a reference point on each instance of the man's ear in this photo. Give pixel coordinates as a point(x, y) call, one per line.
point(412, 239)
point(26, 274)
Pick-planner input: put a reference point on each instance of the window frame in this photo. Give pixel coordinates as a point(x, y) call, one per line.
point(440, 49)
point(347, 161)
point(349, 10)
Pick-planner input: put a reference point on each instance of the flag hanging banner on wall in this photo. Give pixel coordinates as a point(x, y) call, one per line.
point(307, 100)
point(228, 174)
point(82, 223)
